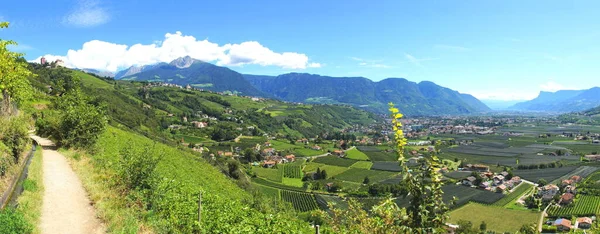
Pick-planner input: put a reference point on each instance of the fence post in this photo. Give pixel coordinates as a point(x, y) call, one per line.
point(317, 231)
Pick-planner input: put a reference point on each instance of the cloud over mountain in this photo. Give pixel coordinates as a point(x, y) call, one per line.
point(102, 55)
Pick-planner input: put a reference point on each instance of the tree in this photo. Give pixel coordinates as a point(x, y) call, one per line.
point(542, 182)
point(465, 227)
point(318, 174)
point(482, 226)
point(528, 229)
point(323, 174)
point(366, 180)
point(427, 212)
point(13, 77)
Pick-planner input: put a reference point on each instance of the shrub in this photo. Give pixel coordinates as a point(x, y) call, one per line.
point(13, 134)
point(13, 222)
point(136, 166)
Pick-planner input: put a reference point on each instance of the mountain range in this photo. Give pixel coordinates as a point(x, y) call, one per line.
point(561, 101)
point(423, 98)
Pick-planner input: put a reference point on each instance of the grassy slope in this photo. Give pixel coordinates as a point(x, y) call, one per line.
point(498, 219)
point(30, 201)
point(356, 154)
point(175, 164)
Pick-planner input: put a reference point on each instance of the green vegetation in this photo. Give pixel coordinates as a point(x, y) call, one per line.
point(30, 201)
point(335, 161)
point(582, 206)
point(13, 72)
point(292, 171)
point(273, 174)
point(301, 201)
point(358, 175)
point(356, 155)
point(362, 165)
point(497, 218)
point(332, 171)
point(13, 222)
point(514, 195)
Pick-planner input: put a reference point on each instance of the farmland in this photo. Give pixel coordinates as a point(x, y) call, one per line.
point(335, 161)
point(387, 166)
point(497, 218)
point(362, 165)
point(514, 195)
point(356, 155)
point(548, 174)
point(272, 174)
point(301, 201)
point(292, 171)
point(358, 175)
point(331, 170)
point(582, 206)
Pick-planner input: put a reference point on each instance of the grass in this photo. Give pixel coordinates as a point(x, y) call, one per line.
point(331, 170)
point(382, 156)
point(362, 165)
point(514, 196)
point(30, 201)
point(272, 174)
point(269, 191)
point(358, 175)
point(335, 161)
point(294, 182)
point(308, 152)
point(98, 178)
point(356, 155)
point(497, 218)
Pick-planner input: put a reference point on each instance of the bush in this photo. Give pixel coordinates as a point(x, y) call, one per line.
point(13, 134)
point(13, 222)
point(137, 165)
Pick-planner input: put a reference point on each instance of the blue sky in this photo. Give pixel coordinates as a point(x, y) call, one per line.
point(491, 49)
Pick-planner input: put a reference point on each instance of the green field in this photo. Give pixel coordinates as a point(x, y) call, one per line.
point(300, 201)
point(335, 161)
point(294, 182)
point(362, 165)
point(292, 171)
point(356, 155)
point(272, 174)
point(358, 175)
point(498, 219)
point(331, 170)
point(511, 198)
point(582, 206)
point(269, 191)
point(381, 156)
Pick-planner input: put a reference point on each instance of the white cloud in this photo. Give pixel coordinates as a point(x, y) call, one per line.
point(109, 56)
point(451, 48)
point(87, 13)
point(413, 60)
point(552, 86)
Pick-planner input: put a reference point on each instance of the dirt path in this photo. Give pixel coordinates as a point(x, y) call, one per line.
point(66, 207)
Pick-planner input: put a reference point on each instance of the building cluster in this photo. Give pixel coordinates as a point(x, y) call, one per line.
point(493, 182)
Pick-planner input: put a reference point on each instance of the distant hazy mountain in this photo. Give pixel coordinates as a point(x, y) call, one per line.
point(98, 73)
point(199, 74)
point(136, 69)
point(424, 98)
point(500, 104)
point(562, 101)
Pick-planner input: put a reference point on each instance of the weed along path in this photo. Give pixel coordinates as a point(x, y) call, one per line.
point(66, 207)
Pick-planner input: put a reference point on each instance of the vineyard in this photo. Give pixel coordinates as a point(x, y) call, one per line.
point(506, 200)
point(301, 201)
point(292, 171)
point(583, 206)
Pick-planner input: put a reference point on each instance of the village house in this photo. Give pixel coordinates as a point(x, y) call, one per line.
point(485, 185)
point(584, 223)
point(566, 198)
point(269, 164)
point(267, 144)
point(593, 157)
point(469, 181)
point(501, 188)
point(339, 153)
point(563, 225)
point(198, 124)
point(268, 152)
point(290, 158)
point(571, 189)
point(316, 147)
point(548, 192)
